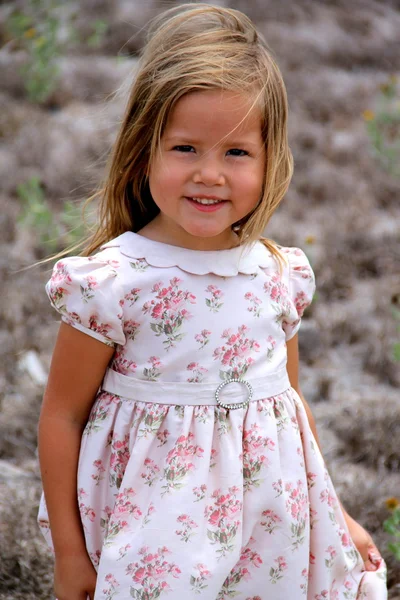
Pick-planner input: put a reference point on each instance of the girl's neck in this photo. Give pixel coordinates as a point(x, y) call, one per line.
point(157, 232)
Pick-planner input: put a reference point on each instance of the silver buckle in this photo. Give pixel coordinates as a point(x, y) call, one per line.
point(237, 404)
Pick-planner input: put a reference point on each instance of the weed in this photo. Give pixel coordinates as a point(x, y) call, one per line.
point(53, 231)
point(383, 127)
point(41, 32)
point(392, 526)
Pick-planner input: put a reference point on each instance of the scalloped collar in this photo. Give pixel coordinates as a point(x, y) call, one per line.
point(225, 263)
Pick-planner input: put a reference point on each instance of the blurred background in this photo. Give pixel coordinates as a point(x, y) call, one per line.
point(61, 63)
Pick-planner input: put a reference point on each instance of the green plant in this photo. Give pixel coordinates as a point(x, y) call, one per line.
point(396, 346)
point(36, 29)
point(43, 30)
point(54, 232)
point(383, 127)
point(392, 526)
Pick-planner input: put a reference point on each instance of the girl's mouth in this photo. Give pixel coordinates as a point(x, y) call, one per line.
point(206, 204)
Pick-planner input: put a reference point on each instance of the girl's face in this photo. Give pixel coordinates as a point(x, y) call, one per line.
point(209, 170)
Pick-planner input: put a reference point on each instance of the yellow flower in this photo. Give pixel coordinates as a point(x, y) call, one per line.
point(368, 115)
point(310, 239)
point(392, 503)
point(30, 33)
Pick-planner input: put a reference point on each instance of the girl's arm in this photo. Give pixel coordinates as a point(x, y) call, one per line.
point(77, 369)
point(360, 536)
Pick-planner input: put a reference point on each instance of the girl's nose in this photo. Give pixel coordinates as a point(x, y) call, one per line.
point(209, 172)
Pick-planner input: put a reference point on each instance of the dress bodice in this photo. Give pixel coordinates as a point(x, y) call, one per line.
point(175, 314)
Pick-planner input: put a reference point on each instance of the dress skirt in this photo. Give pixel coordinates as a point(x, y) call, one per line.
point(183, 498)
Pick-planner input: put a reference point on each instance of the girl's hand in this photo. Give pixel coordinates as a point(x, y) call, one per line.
point(74, 578)
point(364, 544)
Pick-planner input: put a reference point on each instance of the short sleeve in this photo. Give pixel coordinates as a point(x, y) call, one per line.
point(86, 293)
point(301, 289)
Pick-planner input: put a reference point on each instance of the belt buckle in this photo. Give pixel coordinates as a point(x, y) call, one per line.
point(243, 404)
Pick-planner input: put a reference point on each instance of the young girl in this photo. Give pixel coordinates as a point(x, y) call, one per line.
point(179, 458)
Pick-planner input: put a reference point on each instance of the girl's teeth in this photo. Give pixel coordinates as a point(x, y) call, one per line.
point(205, 201)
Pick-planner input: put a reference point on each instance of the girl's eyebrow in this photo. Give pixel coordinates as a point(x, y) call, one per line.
point(184, 139)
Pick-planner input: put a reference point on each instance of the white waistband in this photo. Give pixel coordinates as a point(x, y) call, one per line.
point(193, 394)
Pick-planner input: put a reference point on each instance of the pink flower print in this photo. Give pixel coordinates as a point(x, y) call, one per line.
point(152, 372)
point(121, 364)
point(100, 411)
point(100, 328)
point(61, 274)
point(200, 492)
point(323, 595)
point(241, 571)
point(152, 419)
point(151, 509)
point(311, 479)
point(304, 585)
point(150, 473)
point(277, 485)
point(255, 304)
point(254, 455)
point(87, 290)
point(131, 297)
point(123, 551)
point(214, 302)
point(151, 573)
point(203, 338)
point(345, 539)
point(87, 512)
point(119, 459)
point(213, 457)
point(326, 496)
point(139, 265)
point(235, 353)
point(104, 520)
point(276, 573)
point(95, 557)
point(112, 589)
point(179, 463)
point(278, 292)
point(168, 311)
point(297, 506)
point(198, 372)
point(98, 464)
point(270, 348)
point(331, 552)
point(313, 520)
point(347, 544)
point(280, 413)
point(224, 517)
point(162, 437)
point(270, 521)
point(131, 329)
point(301, 302)
point(124, 509)
point(198, 580)
point(187, 526)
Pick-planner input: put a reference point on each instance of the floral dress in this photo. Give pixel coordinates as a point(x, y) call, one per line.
point(199, 476)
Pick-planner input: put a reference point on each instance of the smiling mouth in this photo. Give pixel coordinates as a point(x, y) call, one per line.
point(206, 201)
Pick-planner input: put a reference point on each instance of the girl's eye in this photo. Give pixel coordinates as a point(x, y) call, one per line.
point(237, 152)
point(184, 148)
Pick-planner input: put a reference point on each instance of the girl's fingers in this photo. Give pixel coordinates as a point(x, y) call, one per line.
point(371, 563)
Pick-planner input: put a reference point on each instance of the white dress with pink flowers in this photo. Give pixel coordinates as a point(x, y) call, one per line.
point(181, 497)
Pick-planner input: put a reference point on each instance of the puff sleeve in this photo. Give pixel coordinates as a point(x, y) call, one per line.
point(86, 292)
point(301, 288)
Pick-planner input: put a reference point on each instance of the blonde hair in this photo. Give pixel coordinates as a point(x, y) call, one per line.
point(189, 48)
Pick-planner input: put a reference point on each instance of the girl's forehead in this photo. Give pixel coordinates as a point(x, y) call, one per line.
point(214, 111)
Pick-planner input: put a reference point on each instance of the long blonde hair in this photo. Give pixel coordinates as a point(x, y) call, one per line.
point(189, 48)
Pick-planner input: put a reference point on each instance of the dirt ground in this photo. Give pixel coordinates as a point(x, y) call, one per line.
point(343, 209)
